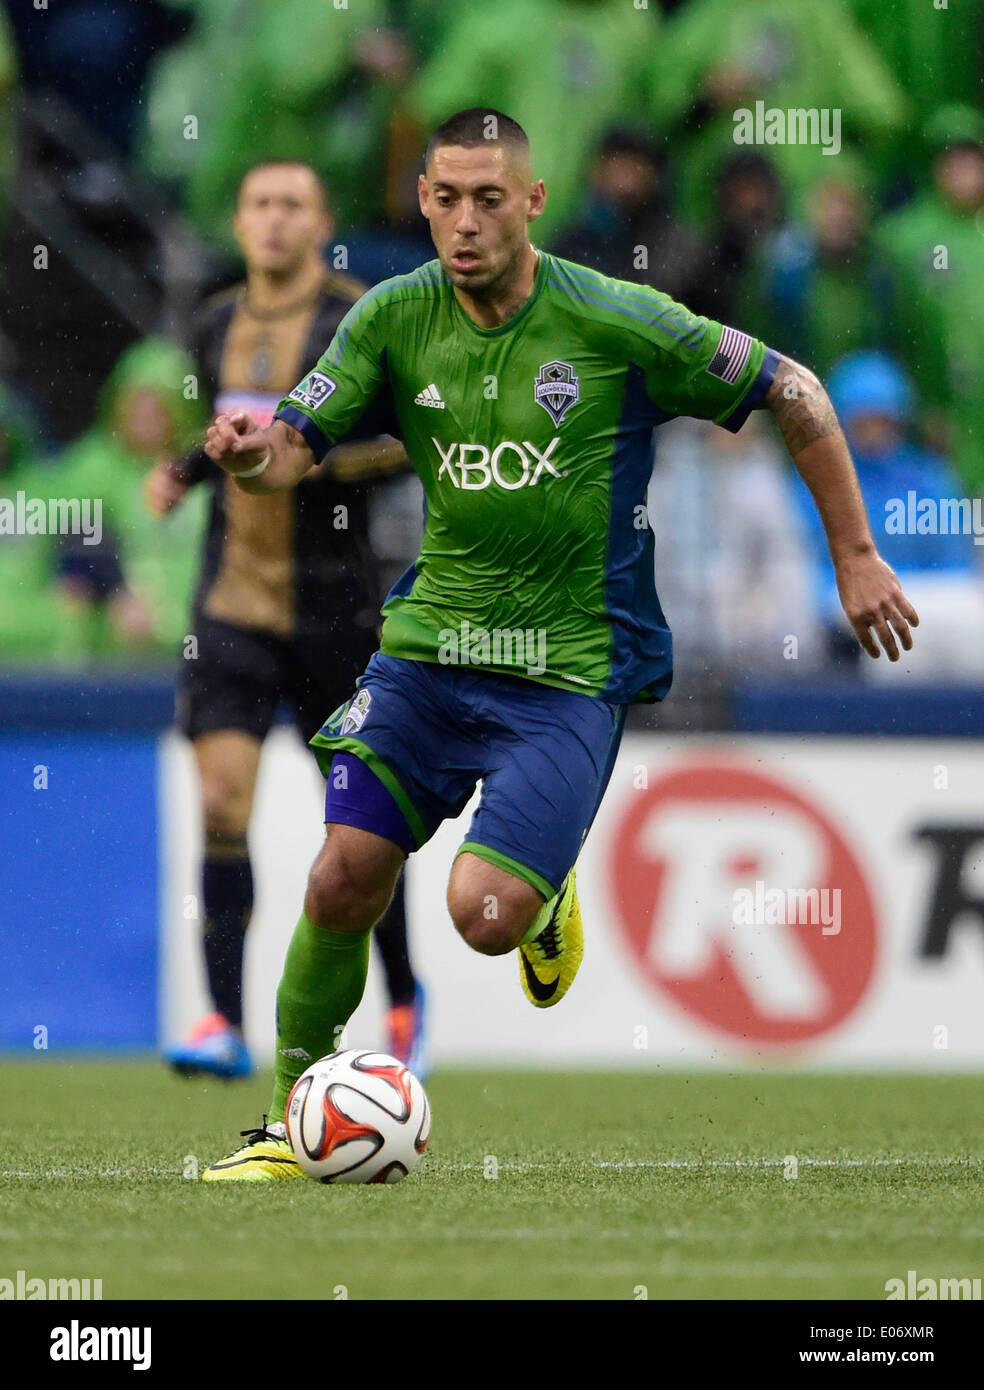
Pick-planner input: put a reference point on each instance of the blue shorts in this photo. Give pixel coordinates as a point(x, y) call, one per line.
point(431, 733)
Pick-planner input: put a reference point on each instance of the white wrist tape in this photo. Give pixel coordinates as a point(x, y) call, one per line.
point(255, 472)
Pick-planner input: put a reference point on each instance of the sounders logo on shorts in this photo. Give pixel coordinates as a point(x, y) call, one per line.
point(357, 711)
point(509, 465)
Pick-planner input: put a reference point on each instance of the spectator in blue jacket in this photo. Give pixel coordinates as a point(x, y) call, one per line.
point(924, 524)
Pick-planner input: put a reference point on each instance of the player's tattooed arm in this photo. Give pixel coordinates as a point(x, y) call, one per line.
point(801, 406)
point(870, 592)
point(278, 456)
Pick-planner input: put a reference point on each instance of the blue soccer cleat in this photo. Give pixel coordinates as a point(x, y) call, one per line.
point(214, 1048)
point(406, 1034)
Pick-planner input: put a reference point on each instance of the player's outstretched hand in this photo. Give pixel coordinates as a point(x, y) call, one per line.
point(236, 442)
point(875, 604)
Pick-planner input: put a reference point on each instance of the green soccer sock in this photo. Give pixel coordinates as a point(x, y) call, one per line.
point(540, 920)
point(323, 981)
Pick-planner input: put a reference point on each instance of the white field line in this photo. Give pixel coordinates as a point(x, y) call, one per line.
point(728, 1163)
point(613, 1165)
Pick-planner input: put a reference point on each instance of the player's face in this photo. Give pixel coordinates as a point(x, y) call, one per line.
point(280, 218)
point(478, 203)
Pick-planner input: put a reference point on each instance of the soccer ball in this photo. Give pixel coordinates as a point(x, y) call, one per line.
point(358, 1116)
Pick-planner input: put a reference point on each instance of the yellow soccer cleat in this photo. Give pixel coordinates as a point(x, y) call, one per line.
point(266, 1156)
point(548, 963)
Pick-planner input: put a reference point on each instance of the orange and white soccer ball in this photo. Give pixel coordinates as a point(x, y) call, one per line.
point(358, 1116)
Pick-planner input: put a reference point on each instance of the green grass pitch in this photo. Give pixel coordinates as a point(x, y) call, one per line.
point(606, 1182)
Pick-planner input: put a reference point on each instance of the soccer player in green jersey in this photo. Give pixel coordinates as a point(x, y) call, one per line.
point(527, 390)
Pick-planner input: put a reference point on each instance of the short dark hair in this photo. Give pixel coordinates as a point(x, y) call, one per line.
point(618, 140)
point(286, 161)
point(747, 164)
point(478, 125)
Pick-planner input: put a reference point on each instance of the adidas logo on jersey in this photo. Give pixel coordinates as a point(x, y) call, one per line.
point(430, 395)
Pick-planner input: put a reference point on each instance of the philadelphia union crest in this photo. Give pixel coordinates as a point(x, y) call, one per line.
point(556, 389)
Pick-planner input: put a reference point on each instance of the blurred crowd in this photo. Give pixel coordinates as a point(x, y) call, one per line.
point(862, 257)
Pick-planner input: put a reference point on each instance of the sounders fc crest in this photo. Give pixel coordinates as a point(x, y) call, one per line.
point(357, 711)
point(556, 389)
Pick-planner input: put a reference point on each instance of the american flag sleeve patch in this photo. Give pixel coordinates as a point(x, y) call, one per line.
point(729, 361)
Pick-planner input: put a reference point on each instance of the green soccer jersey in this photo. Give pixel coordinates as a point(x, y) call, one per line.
point(533, 442)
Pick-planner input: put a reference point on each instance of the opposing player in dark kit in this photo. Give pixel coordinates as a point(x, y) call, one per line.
point(287, 602)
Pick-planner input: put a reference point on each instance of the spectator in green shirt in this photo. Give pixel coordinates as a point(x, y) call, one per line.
point(827, 289)
point(565, 69)
point(935, 51)
point(935, 248)
point(718, 57)
point(35, 623)
point(142, 573)
point(303, 79)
